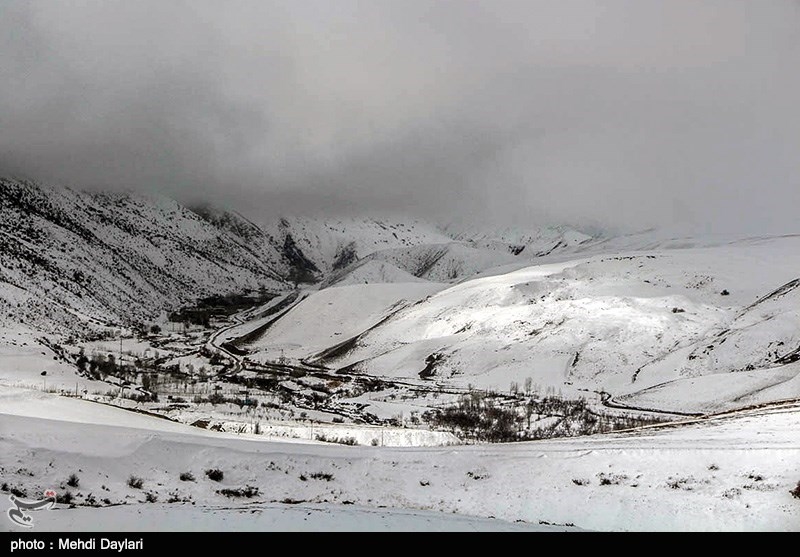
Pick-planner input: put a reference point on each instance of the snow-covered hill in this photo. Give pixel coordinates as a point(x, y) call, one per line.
point(621, 323)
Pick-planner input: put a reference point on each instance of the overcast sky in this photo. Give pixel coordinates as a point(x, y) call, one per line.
point(619, 113)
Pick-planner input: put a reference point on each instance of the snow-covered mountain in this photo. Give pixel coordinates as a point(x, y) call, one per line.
point(329, 249)
point(70, 258)
point(531, 242)
point(327, 245)
point(433, 262)
point(622, 323)
point(402, 320)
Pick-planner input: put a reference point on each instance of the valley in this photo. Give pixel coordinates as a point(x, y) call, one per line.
point(590, 366)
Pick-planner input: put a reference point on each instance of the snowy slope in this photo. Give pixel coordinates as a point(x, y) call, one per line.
point(331, 316)
point(370, 271)
point(720, 392)
point(24, 357)
point(763, 334)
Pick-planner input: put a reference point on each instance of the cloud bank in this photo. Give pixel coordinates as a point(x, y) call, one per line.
point(626, 113)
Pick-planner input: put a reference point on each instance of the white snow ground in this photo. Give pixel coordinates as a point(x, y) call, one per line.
point(728, 473)
point(266, 517)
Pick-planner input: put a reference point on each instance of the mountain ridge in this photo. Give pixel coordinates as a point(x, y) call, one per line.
point(109, 259)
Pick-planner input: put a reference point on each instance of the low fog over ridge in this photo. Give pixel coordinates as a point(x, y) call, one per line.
point(625, 114)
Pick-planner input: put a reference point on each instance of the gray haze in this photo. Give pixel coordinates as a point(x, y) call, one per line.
point(615, 113)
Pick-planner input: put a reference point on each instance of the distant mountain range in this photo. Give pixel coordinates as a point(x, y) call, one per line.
point(71, 259)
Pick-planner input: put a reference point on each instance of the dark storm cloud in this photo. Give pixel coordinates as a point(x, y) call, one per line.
point(619, 113)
